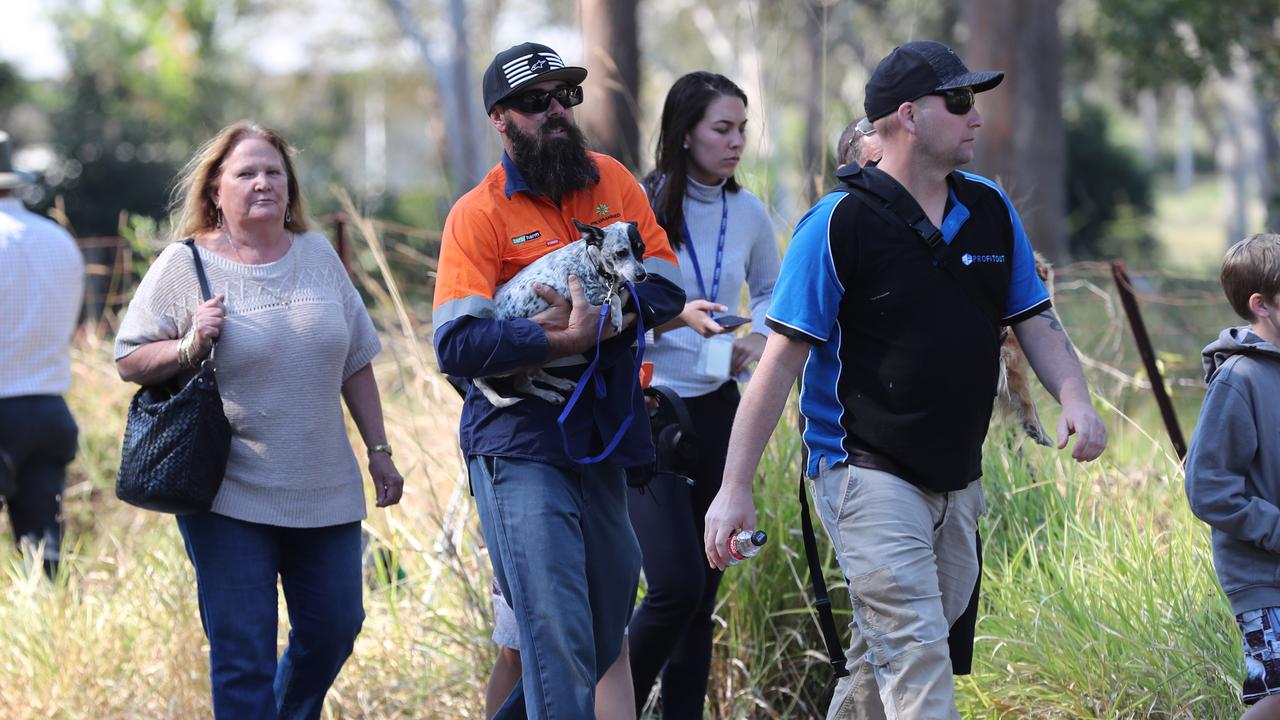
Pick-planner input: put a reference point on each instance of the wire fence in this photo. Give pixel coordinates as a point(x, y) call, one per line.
point(1182, 313)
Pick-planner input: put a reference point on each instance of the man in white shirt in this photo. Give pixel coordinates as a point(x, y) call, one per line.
point(41, 285)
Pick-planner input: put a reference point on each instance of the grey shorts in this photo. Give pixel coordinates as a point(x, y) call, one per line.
point(505, 632)
point(1260, 636)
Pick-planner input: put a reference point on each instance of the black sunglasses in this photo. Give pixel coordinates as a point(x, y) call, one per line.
point(536, 101)
point(959, 101)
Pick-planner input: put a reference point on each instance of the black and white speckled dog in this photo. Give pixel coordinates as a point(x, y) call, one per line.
point(604, 260)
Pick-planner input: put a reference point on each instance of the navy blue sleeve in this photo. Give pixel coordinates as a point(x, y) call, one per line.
point(659, 298)
point(469, 346)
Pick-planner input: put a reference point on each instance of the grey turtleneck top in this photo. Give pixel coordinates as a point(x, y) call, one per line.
point(750, 257)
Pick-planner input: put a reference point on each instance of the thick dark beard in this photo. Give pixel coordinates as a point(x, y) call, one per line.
point(553, 166)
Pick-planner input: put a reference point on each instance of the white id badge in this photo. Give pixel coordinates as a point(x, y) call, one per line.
point(717, 353)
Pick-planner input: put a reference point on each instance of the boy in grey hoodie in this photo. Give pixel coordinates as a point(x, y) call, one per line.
point(1233, 467)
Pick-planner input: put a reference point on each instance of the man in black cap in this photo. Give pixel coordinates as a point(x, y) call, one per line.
point(898, 335)
point(549, 480)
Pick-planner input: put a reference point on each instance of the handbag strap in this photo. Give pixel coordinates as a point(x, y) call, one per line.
point(205, 292)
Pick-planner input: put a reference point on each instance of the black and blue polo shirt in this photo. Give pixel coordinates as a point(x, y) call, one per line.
point(903, 370)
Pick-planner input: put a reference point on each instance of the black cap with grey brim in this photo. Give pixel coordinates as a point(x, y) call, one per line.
point(522, 65)
point(916, 69)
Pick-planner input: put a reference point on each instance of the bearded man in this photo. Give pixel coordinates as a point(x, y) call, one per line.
point(550, 495)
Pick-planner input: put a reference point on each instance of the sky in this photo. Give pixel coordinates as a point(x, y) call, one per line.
point(27, 40)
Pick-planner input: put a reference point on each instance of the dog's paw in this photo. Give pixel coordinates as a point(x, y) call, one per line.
point(615, 315)
point(552, 397)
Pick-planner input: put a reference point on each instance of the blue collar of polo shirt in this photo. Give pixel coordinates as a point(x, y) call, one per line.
point(515, 180)
point(956, 216)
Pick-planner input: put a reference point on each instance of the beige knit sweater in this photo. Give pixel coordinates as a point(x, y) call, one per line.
point(295, 330)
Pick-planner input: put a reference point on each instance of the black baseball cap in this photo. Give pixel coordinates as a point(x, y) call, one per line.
point(916, 69)
point(522, 65)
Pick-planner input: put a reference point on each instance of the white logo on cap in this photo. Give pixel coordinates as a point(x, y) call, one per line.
point(528, 66)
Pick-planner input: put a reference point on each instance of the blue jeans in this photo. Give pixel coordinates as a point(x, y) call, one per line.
point(37, 442)
point(236, 565)
point(565, 555)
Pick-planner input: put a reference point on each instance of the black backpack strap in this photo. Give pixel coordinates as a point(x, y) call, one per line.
point(895, 205)
point(821, 600)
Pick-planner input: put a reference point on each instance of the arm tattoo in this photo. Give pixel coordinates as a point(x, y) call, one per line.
point(1054, 324)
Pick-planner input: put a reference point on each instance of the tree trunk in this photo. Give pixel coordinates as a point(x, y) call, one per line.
point(1149, 119)
point(465, 166)
point(1270, 180)
point(610, 114)
point(1184, 171)
point(1237, 148)
point(813, 153)
point(1023, 142)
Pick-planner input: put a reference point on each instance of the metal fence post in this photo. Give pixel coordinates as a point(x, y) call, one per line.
point(1139, 328)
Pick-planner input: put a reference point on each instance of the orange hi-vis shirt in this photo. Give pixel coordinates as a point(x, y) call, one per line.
point(493, 232)
point(500, 227)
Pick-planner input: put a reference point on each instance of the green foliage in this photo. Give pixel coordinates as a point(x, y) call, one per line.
point(1099, 599)
point(1109, 193)
point(146, 85)
point(1182, 39)
point(13, 89)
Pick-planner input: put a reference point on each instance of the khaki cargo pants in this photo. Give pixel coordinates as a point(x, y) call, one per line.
point(910, 558)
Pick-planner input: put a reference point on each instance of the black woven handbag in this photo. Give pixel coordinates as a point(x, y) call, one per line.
point(176, 440)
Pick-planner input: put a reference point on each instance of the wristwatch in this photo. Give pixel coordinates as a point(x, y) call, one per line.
point(383, 448)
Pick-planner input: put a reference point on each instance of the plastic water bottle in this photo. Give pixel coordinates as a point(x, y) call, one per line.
point(746, 544)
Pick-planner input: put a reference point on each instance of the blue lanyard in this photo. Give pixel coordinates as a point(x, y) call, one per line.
point(592, 375)
point(693, 254)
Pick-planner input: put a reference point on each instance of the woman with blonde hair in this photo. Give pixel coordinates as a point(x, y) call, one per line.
point(292, 337)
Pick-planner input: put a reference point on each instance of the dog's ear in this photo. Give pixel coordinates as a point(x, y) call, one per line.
point(593, 235)
point(637, 242)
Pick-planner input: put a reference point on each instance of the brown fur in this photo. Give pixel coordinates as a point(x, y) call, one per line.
point(1013, 394)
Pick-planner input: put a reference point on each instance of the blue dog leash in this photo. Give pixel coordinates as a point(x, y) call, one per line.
point(592, 374)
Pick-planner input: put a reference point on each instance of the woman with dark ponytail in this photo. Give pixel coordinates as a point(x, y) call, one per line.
point(724, 239)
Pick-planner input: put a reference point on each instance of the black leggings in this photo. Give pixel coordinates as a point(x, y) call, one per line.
point(672, 627)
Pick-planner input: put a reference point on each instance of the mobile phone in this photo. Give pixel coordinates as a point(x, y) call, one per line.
point(729, 322)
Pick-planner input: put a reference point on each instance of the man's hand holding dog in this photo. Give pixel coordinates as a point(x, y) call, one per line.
point(571, 324)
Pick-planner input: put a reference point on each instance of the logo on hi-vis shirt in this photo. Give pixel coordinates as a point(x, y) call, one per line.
point(968, 259)
point(602, 209)
point(526, 237)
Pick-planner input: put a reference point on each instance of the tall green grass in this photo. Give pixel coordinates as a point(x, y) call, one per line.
point(1099, 599)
